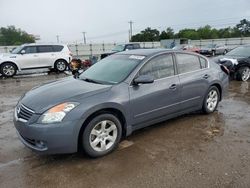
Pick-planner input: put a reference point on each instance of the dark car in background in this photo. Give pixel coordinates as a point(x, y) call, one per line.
point(238, 62)
point(116, 96)
point(122, 47)
point(214, 49)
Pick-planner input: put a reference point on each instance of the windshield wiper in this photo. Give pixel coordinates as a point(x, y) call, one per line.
point(90, 80)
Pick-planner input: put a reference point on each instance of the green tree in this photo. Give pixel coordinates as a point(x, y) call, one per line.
point(168, 34)
point(12, 36)
point(189, 34)
point(244, 27)
point(147, 35)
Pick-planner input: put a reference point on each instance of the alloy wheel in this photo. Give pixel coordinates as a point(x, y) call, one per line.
point(103, 135)
point(245, 74)
point(212, 100)
point(8, 70)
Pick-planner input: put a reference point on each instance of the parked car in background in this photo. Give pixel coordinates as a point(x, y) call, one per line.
point(214, 49)
point(187, 47)
point(238, 62)
point(35, 56)
point(122, 47)
point(116, 96)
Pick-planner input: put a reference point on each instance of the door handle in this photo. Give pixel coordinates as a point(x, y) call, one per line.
point(173, 86)
point(35, 55)
point(206, 76)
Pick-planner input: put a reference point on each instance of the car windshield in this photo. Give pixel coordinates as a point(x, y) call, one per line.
point(112, 69)
point(17, 50)
point(241, 51)
point(119, 48)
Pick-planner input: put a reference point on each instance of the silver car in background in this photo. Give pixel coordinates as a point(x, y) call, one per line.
point(116, 96)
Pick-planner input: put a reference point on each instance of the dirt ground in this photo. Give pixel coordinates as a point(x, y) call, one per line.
point(194, 150)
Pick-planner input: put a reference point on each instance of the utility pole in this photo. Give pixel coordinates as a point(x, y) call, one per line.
point(130, 30)
point(57, 38)
point(84, 37)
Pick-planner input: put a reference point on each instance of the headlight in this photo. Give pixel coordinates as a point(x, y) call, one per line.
point(57, 113)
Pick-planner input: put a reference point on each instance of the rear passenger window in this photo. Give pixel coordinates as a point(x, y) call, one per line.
point(187, 63)
point(203, 63)
point(44, 49)
point(160, 67)
point(57, 48)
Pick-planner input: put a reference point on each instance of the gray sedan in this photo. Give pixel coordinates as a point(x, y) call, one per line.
point(116, 96)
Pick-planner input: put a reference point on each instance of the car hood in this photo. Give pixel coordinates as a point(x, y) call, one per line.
point(45, 96)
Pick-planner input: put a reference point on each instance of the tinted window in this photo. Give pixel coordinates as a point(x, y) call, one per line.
point(44, 49)
point(187, 63)
point(136, 46)
point(203, 63)
point(30, 49)
point(160, 67)
point(57, 48)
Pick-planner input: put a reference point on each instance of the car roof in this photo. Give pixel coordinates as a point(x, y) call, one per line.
point(145, 52)
point(43, 44)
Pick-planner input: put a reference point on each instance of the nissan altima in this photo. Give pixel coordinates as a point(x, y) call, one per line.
point(116, 96)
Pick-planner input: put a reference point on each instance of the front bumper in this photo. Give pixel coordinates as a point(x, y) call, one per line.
point(49, 138)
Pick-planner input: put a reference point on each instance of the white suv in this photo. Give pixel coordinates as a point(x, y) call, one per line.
point(35, 56)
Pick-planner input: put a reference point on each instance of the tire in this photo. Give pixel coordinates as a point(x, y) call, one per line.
point(61, 65)
point(8, 69)
point(211, 100)
point(243, 74)
point(101, 136)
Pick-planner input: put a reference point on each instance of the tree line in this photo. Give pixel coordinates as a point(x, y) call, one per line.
point(10, 36)
point(241, 29)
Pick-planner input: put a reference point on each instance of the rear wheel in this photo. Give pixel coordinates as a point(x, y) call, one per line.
point(8, 69)
point(61, 65)
point(211, 100)
point(243, 74)
point(102, 135)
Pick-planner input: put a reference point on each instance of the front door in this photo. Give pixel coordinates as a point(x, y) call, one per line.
point(29, 59)
point(160, 98)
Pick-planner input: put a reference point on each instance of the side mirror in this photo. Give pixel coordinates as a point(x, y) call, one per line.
point(144, 79)
point(22, 52)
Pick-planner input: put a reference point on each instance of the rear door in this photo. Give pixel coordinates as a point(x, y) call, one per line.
point(194, 76)
point(47, 55)
point(155, 100)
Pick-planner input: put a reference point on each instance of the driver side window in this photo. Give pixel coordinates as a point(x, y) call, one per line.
point(30, 49)
point(159, 67)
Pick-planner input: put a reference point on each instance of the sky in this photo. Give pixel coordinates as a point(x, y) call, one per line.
point(107, 20)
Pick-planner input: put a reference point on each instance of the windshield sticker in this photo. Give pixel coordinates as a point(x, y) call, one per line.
point(138, 57)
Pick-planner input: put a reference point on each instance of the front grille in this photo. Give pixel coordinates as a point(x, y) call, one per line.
point(24, 112)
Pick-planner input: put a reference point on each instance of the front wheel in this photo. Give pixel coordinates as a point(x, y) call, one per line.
point(211, 100)
point(243, 74)
point(8, 69)
point(61, 65)
point(102, 135)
